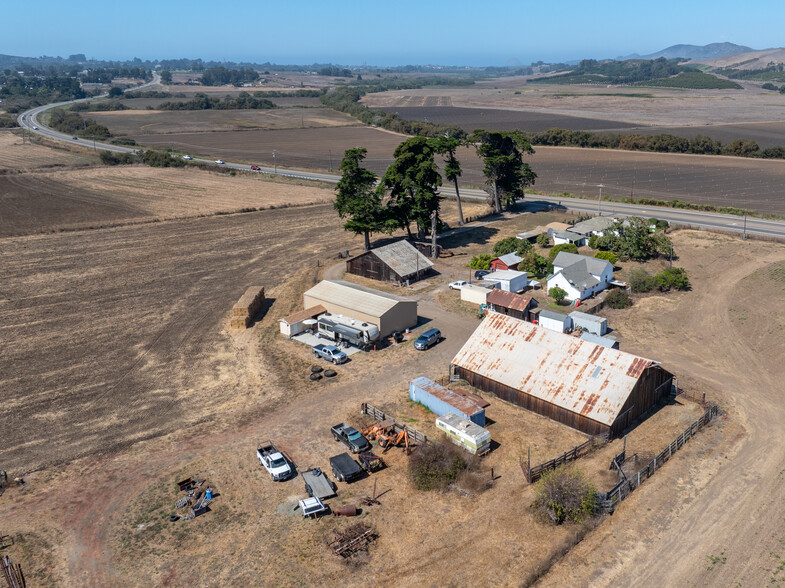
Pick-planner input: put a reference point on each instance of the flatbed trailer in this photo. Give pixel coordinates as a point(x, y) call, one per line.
point(317, 484)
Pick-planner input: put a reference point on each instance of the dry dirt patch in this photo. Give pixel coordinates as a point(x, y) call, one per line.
point(16, 155)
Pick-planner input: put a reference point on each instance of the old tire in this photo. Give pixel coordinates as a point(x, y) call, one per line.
point(315, 369)
point(330, 373)
point(173, 518)
point(315, 377)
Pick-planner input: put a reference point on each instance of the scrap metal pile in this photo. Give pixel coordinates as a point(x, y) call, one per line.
point(195, 502)
point(352, 540)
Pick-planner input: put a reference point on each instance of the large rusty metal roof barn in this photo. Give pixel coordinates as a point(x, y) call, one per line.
point(590, 387)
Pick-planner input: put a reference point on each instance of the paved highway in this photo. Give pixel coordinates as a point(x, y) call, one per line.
point(705, 220)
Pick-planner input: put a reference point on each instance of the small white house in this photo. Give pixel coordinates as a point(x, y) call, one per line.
point(562, 237)
point(508, 280)
point(598, 225)
point(554, 321)
point(580, 276)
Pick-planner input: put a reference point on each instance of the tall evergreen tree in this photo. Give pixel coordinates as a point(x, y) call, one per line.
point(413, 181)
point(356, 198)
point(447, 146)
point(506, 174)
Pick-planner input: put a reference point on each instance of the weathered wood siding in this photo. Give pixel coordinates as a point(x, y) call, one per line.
point(646, 393)
point(368, 265)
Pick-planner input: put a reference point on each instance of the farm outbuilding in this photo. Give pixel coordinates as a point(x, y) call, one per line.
point(476, 294)
point(397, 262)
point(508, 280)
point(554, 321)
point(588, 322)
point(606, 341)
point(443, 401)
point(386, 311)
point(506, 262)
point(509, 303)
point(590, 387)
point(294, 324)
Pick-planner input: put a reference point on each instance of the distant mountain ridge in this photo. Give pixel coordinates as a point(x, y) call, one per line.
point(710, 51)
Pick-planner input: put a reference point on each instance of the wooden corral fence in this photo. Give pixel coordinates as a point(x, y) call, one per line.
point(12, 573)
point(379, 415)
point(608, 501)
point(535, 473)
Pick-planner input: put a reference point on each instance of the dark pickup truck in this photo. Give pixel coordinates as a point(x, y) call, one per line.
point(350, 437)
point(345, 469)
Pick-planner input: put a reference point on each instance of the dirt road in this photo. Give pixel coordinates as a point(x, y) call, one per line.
point(722, 525)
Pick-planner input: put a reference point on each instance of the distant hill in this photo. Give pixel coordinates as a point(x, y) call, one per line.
point(748, 61)
point(710, 51)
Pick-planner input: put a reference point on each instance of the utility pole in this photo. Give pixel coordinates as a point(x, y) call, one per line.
point(744, 237)
point(330, 152)
point(275, 162)
point(599, 198)
point(171, 143)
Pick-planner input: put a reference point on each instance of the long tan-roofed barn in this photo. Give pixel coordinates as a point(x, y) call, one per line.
point(592, 388)
point(386, 311)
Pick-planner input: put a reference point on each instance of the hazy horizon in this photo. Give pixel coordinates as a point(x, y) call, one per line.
point(408, 33)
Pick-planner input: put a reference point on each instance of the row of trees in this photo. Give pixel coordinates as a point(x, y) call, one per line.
point(408, 191)
point(72, 123)
point(220, 76)
point(200, 101)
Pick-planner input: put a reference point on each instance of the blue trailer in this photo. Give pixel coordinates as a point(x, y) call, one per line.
point(443, 401)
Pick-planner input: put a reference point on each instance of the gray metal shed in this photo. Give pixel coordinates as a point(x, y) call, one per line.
point(588, 322)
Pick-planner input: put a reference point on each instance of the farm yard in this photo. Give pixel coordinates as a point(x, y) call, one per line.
point(172, 393)
point(122, 375)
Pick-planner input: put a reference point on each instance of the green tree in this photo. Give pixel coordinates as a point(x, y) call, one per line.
point(563, 495)
point(482, 261)
point(446, 147)
point(115, 92)
point(558, 294)
point(166, 76)
point(413, 181)
point(672, 277)
point(594, 242)
point(618, 299)
point(505, 173)
point(509, 245)
point(608, 256)
point(535, 265)
point(641, 280)
point(556, 249)
point(356, 198)
point(543, 240)
point(630, 239)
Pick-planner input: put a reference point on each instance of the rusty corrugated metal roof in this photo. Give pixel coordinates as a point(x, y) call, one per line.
point(580, 376)
point(461, 401)
point(509, 300)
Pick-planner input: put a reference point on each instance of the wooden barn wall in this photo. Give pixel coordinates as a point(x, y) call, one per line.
point(370, 266)
point(646, 394)
point(537, 405)
point(519, 314)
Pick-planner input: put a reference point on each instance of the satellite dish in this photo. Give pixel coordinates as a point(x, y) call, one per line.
point(310, 321)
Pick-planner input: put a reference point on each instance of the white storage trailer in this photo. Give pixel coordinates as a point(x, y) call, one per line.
point(508, 280)
point(596, 325)
point(473, 438)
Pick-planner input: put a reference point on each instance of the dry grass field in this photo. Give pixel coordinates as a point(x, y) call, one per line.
point(18, 156)
point(637, 106)
point(156, 122)
point(101, 196)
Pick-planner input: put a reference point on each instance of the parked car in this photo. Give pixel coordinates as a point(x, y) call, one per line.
point(428, 339)
point(350, 437)
point(256, 168)
point(312, 507)
point(458, 285)
point(220, 161)
point(480, 274)
point(35, 128)
point(75, 138)
point(330, 353)
point(187, 157)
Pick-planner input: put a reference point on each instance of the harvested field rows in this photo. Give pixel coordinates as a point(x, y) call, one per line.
point(18, 156)
point(69, 199)
point(723, 181)
point(113, 336)
point(147, 122)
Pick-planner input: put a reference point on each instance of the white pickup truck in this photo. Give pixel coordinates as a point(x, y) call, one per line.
point(273, 461)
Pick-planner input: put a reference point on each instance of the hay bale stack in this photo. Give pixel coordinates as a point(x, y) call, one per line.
point(247, 307)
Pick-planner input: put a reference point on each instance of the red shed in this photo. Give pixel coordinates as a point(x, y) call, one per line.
point(506, 262)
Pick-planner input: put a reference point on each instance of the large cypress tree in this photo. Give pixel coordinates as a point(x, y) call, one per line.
point(356, 197)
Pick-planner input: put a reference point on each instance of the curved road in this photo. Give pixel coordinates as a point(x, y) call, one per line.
point(703, 220)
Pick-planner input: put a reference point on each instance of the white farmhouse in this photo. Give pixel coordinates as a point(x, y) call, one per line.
point(580, 276)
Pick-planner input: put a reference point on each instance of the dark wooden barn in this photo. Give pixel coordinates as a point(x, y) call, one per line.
point(398, 262)
point(590, 387)
point(510, 303)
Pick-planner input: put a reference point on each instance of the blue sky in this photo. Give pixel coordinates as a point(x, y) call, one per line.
point(382, 33)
